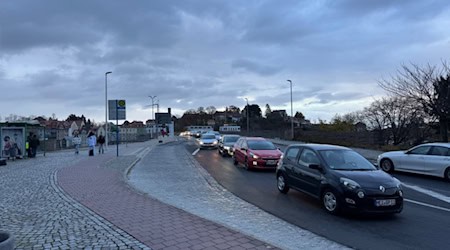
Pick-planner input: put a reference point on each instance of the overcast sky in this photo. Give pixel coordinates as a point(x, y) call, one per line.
point(54, 54)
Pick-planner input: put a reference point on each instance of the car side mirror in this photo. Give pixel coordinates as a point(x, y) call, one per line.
point(315, 166)
point(376, 165)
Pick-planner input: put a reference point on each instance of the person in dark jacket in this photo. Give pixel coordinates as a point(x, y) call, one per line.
point(34, 145)
point(101, 141)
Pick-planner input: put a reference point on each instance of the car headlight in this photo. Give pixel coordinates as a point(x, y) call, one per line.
point(215, 142)
point(201, 142)
point(349, 184)
point(226, 147)
point(252, 155)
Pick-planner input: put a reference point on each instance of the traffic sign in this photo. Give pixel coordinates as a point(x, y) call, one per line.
point(117, 109)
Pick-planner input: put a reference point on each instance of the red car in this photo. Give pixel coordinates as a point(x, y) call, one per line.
point(256, 153)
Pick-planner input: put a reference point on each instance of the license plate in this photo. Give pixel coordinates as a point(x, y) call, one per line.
point(385, 203)
point(271, 162)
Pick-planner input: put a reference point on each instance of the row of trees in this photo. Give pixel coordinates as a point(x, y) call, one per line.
point(418, 97)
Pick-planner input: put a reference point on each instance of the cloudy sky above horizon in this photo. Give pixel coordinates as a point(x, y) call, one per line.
point(192, 53)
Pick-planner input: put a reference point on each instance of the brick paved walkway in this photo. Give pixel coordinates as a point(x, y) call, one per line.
point(103, 189)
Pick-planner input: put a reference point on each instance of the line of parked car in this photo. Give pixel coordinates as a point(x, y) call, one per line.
point(338, 176)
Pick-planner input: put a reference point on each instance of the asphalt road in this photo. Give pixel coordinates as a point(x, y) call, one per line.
point(423, 224)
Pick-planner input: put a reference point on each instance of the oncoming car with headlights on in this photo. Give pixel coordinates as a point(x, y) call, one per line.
point(341, 178)
point(226, 144)
point(207, 141)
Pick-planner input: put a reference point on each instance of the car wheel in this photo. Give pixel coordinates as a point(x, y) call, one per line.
point(447, 174)
point(330, 201)
point(235, 162)
point(387, 165)
point(246, 164)
point(282, 184)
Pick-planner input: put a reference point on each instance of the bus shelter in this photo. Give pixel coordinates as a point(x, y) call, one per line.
point(14, 134)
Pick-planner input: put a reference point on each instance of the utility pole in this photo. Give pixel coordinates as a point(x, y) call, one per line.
point(292, 114)
point(248, 119)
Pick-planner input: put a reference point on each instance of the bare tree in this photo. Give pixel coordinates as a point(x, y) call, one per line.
point(428, 87)
point(210, 110)
point(268, 111)
point(394, 118)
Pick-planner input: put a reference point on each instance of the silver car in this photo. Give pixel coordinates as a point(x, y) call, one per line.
point(207, 141)
point(428, 159)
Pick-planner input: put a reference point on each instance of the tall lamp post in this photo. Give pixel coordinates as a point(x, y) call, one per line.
point(153, 98)
point(248, 119)
point(292, 115)
point(153, 115)
point(106, 108)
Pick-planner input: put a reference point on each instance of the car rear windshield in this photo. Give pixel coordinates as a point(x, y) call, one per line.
point(230, 138)
point(261, 145)
point(346, 160)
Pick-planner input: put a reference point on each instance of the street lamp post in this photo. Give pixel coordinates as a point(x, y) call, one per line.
point(153, 119)
point(248, 119)
point(152, 97)
point(106, 108)
point(292, 115)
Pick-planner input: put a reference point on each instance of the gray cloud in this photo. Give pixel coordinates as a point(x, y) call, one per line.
point(210, 53)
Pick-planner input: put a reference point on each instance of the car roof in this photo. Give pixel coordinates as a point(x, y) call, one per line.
point(442, 144)
point(256, 138)
point(317, 146)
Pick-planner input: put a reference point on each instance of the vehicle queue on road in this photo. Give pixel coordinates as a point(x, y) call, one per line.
point(339, 177)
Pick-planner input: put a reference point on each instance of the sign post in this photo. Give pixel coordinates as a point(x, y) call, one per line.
point(117, 111)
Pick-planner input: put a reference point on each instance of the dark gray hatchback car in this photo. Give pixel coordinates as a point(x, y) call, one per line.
point(341, 178)
point(226, 143)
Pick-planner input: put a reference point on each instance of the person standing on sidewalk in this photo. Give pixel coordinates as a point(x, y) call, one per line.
point(34, 145)
point(101, 141)
point(27, 145)
point(76, 142)
point(92, 141)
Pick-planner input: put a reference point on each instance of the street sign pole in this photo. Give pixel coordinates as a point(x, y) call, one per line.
point(117, 128)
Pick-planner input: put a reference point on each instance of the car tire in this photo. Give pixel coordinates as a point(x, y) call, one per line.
point(235, 162)
point(447, 174)
point(282, 184)
point(386, 165)
point(246, 164)
point(330, 202)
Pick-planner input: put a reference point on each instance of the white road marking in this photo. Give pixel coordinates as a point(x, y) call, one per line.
point(428, 192)
point(427, 205)
point(196, 151)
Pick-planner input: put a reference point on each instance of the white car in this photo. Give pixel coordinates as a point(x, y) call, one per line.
point(208, 141)
point(428, 159)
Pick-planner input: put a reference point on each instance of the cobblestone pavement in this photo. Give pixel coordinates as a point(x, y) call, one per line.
point(180, 181)
point(40, 216)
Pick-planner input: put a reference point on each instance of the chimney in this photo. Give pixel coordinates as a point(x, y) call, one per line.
point(169, 110)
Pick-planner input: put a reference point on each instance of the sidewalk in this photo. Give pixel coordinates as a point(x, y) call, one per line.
point(103, 189)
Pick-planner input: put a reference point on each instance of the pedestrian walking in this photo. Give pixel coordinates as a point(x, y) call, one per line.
point(76, 140)
point(34, 145)
point(101, 141)
point(92, 141)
